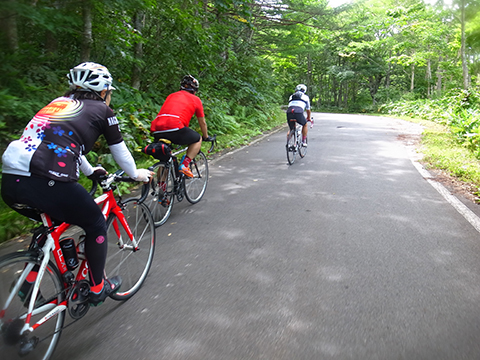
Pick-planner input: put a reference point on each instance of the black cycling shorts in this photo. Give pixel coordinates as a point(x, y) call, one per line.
point(183, 136)
point(293, 117)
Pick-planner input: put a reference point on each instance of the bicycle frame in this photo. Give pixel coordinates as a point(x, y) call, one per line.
point(52, 246)
point(179, 188)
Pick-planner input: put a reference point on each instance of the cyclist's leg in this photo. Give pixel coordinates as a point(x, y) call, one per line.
point(302, 121)
point(66, 202)
point(186, 136)
point(193, 140)
point(291, 121)
point(291, 118)
point(305, 130)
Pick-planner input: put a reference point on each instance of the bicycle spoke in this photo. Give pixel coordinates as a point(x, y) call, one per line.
point(41, 342)
point(195, 187)
point(130, 264)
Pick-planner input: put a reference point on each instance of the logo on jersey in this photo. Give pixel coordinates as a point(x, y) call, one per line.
point(112, 121)
point(60, 109)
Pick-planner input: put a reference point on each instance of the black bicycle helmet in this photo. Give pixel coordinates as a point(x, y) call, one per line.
point(189, 83)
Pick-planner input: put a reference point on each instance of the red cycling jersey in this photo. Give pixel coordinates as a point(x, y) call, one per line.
point(177, 111)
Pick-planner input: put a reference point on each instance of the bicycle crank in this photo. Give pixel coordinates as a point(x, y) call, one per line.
point(78, 299)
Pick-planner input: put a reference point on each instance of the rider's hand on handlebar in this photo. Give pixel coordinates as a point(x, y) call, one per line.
point(208, 138)
point(144, 175)
point(98, 173)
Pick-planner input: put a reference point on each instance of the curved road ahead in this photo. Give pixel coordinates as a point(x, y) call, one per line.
point(347, 254)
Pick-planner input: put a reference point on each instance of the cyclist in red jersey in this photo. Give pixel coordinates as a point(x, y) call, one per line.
point(174, 118)
point(41, 169)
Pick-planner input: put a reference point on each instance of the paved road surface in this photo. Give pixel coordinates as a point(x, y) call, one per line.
point(348, 254)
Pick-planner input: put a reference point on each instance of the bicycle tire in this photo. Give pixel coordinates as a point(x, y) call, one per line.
point(51, 289)
point(160, 202)
point(291, 147)
point(195, 187)
point(302, 150)
point(132, 266)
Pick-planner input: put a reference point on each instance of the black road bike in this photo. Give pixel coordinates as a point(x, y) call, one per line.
point(168, 183)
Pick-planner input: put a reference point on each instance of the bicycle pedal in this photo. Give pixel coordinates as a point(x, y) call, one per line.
point(165, 202)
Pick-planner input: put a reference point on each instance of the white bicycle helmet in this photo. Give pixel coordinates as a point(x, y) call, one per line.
point(90, 76)
point(302, 88)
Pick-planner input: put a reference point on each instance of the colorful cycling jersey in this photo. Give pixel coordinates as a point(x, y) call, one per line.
point(177, 111)
point(298, 103)
point(56, 137)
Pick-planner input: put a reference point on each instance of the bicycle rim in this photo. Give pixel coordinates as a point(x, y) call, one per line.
point(195, 187)
point(160, 202)
point(122, 259)
point(291, 148)
point(12, 267)
point(302, 150)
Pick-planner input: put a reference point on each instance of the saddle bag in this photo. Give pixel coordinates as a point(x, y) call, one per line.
point(159, 150)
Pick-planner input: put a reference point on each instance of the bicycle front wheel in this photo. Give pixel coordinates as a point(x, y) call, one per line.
point(128, 258)
point(291, 147)
point(195, 187)
point(15, 295)
point(160, 200)
point(302, 150)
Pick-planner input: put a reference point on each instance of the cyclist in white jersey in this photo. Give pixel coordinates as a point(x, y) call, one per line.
point(298, 103)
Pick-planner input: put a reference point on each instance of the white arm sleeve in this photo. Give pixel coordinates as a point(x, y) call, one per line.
point(124, 158)
point(85, 166)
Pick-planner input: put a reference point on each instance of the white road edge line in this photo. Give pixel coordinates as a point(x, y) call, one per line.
point(468, 214)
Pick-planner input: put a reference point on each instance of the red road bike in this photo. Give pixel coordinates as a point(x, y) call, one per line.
point(32, 317)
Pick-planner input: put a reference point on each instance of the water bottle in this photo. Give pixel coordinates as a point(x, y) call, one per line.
point(69, 253)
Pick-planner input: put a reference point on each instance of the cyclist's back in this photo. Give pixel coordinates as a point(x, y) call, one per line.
point(298, 103)
point(41, 169)
point(176, 112)
point(174, 118)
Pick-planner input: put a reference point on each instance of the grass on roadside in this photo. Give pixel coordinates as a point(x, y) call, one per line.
point(442, 151)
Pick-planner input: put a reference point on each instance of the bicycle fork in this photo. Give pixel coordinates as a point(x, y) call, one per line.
point(20, 336)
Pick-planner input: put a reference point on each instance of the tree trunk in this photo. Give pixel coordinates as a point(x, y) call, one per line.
point(462, 49)
point(8, 26)
point(309, 70)
point(87, 39)
point(51, 42)
point(412, 81)
point(387, 77)
point(373, 85)
point(139, 20)
point(439, 78)
point(428, 76)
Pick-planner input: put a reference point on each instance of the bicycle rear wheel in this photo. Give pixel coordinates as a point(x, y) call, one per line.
point(124, 259)
point(195, 187)
point(291, 147)
point(13, 311)
point(160, 200)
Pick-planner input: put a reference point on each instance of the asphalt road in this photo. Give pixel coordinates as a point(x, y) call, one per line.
point(347, 254)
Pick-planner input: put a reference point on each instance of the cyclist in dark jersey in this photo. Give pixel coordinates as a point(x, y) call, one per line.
point(298, 103)
point(174, 117)
point(41, 169)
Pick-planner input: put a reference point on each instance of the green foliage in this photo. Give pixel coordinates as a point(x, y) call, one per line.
point(248, 58)
point(459, 110)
